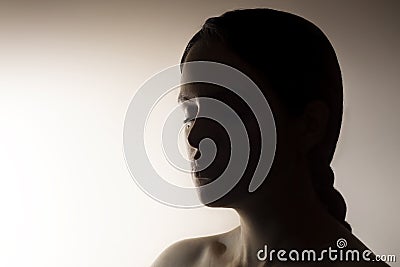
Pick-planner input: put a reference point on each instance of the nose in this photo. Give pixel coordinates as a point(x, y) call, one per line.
point(193, 139)
point(201, 129)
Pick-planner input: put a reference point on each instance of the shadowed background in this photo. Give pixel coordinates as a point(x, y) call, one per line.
point(68, 71)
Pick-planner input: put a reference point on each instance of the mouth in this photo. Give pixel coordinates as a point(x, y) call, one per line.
point(202, 175)
point(199, 181)
point(199, 176)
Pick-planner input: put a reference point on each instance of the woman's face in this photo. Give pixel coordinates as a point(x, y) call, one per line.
point(199, 128)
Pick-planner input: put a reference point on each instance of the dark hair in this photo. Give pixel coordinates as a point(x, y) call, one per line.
point(300, 64)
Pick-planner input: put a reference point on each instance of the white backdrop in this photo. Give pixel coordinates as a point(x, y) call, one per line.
point(68, 71)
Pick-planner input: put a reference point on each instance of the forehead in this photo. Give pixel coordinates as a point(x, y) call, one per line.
point(219, 52)
point(210, 51)
point(193, 90)
point(215, 51)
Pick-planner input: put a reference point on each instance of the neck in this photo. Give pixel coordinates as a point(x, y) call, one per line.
point(292, 219)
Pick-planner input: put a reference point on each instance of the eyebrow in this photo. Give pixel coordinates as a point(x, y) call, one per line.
point(182, 98)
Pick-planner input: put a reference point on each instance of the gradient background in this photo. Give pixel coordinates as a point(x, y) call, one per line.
point(68, 70)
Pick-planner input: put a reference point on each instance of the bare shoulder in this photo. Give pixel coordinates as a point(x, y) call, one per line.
point(183, 253)
point(194, 251)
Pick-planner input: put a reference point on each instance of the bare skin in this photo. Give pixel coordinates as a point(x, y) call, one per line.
point(284, 213)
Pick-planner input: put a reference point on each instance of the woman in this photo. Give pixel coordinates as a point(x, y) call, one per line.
point(296, 207)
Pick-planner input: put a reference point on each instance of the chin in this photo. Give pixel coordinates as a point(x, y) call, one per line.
point(226, 201)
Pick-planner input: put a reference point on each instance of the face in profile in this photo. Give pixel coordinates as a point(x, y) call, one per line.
point(209, 162)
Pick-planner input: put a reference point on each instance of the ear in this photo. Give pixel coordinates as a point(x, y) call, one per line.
point(314, 123)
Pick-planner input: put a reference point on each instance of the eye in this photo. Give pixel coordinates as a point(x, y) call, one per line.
point(188, 122)
point(191, 111)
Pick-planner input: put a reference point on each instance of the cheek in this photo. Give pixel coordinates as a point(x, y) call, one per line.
point(288, 147)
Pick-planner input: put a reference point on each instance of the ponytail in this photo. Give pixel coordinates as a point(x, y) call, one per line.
point(322, 178)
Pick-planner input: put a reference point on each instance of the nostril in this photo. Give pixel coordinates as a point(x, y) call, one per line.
point(197, 155)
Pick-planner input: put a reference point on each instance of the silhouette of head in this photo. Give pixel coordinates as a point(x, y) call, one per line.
point(295, 66)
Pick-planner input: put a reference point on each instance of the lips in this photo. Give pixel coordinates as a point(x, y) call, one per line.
point(199, 181)
point(198, 175)
point(203, 174)
point(196, 168)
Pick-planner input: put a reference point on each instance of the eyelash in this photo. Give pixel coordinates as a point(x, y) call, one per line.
point(188, 120)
